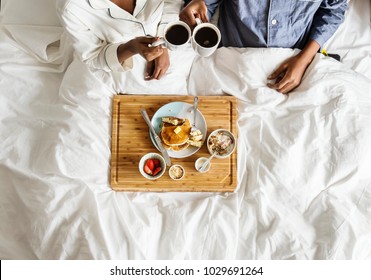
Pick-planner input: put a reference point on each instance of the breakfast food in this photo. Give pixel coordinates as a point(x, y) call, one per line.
point(176, 172)
point(195, 138)
point(173, 120)
point(196, 135)
point(176, 134)
point(152, 166)
point(221, 143)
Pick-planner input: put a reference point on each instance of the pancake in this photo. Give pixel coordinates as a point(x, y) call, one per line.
point(175, 135)
point(177, 148)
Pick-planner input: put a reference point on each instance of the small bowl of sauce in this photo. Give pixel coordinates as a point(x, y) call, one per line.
point(176, 172)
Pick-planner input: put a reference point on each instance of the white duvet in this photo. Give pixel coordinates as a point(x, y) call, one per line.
point(305, 181)
point(304, 188)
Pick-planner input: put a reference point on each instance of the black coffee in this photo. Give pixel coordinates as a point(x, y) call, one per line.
point(206, 37)
point(177, 35)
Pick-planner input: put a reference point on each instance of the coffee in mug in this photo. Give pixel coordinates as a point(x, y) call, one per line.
point(205, 39)
point(177, 35)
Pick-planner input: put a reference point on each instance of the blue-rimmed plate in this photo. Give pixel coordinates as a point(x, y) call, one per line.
point(180, 110)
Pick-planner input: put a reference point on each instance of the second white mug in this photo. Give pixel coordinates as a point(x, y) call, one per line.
point(206, 38)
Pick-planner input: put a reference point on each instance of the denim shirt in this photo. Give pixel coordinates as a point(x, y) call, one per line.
point(277, 23)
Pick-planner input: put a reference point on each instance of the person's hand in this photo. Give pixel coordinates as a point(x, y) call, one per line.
point(289, 74)
point(158, 67)
point(139, 45)
point(195, 9)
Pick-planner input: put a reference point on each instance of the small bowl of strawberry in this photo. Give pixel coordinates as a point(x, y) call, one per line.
point(152, 166)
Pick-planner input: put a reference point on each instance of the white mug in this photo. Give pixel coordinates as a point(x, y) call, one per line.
point(177, 36)
point(201, 47)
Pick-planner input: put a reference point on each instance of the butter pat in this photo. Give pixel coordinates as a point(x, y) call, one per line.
point(177, 130)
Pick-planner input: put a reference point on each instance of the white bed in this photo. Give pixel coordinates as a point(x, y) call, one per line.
point(304, 187)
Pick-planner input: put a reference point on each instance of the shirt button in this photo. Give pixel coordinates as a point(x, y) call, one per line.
point(274, 21)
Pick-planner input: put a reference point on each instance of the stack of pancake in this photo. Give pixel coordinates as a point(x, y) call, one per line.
point(176, 134)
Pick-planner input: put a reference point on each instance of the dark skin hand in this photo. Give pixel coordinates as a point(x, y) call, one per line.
point(158, 67)
point(139, 45)
point(157, 57)
point(195, 9)
point(289, 74)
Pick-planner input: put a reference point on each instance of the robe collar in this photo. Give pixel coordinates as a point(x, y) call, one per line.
point(116, 11)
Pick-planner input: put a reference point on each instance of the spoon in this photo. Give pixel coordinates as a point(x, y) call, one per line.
point(206, 163)
point(224, 144)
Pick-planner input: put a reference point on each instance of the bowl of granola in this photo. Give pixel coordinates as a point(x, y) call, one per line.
point(222, 142)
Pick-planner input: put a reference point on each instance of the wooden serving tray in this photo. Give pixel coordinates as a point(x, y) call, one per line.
point(131, 140)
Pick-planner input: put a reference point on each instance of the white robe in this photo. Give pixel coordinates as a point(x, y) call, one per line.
point(98, 27)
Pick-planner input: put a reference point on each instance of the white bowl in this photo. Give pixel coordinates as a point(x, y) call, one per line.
point(171, 169)
point(229, 149)
point(199, 162)
point(153, 156)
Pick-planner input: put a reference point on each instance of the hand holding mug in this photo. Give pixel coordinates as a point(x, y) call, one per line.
point(194, 9)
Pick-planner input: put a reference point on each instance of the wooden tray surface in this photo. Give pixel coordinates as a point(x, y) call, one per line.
point(131, 140)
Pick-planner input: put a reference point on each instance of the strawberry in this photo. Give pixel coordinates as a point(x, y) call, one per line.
point(147, 169)
point(150, 164)
point(156, 162)
point(156, 171)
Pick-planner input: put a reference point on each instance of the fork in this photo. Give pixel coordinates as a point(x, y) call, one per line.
point(195, 103)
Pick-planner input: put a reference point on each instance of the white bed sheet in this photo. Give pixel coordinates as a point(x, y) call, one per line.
point(353, 38)
point(304, 186)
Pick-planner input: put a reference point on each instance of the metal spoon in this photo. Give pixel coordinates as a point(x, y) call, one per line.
point(206, 163)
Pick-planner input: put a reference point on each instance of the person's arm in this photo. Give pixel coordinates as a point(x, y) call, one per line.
point(138, 45)
point(202, 9)
point(157, 68)
point(212, 5)
point(88, 47)
point(327, 19)
point(98, 53)
point(325, 22)
point(289, 74)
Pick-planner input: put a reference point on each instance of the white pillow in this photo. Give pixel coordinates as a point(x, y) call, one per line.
point(29, 12)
